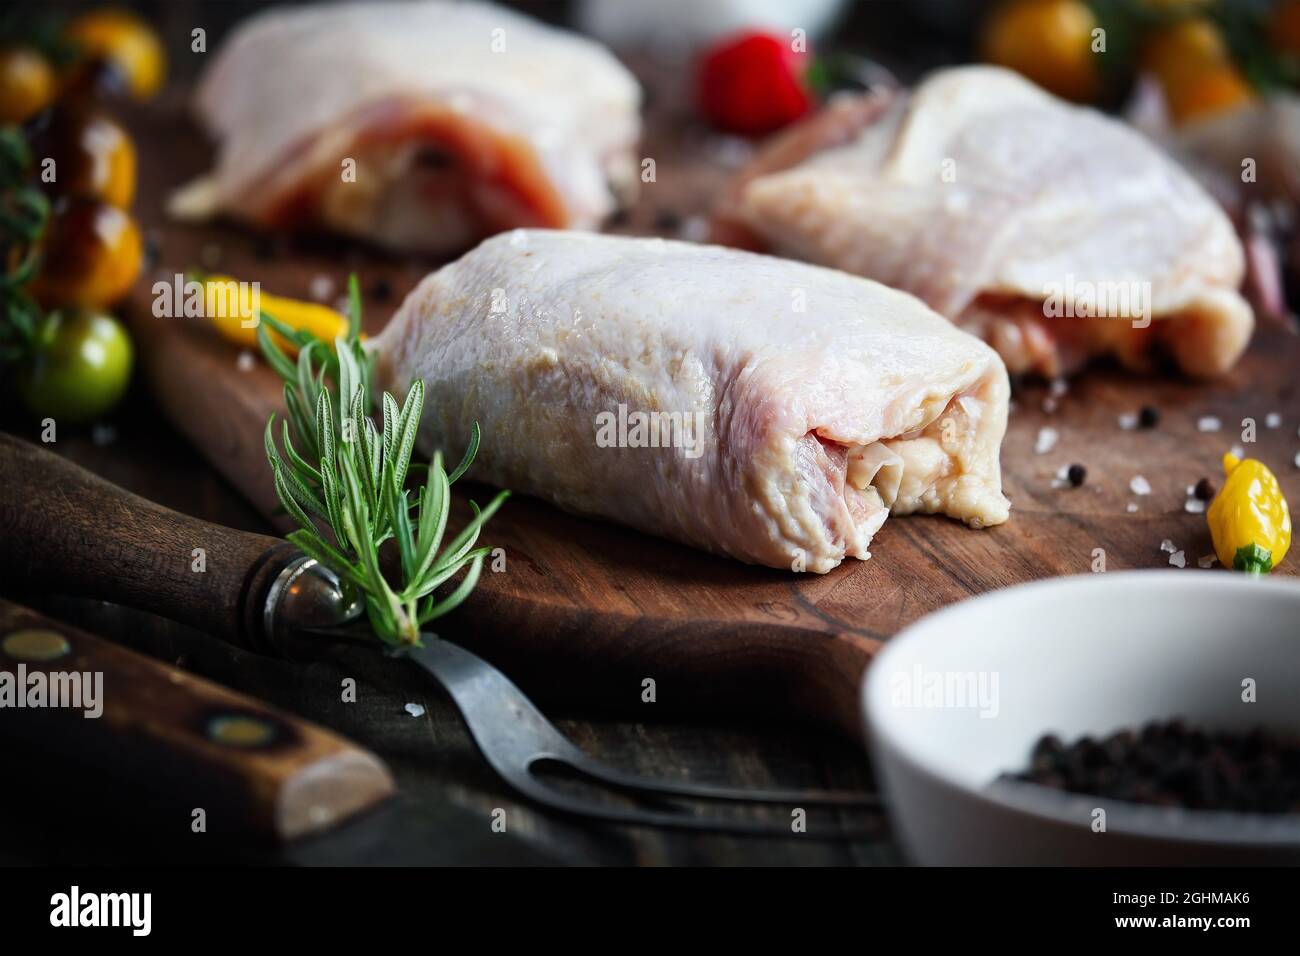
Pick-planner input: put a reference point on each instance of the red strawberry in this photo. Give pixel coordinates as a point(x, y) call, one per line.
point(753, 83)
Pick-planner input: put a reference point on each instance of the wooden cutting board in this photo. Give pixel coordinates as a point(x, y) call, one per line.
point(586, 611)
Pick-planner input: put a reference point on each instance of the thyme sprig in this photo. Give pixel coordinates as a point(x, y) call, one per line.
point(341, 473)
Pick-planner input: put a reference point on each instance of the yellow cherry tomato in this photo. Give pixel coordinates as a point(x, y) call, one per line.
point(231, 312)
point(92, 154)
point(1048, 41)
point(90, 256)
point(127, 41)
point(1249, 519)
point(27, 84)
point(1194, 67)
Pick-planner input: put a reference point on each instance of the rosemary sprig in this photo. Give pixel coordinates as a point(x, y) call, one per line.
point(24, 212)
point(340, 473)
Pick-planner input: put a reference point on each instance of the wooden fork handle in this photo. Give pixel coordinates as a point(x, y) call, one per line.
point(67, 531)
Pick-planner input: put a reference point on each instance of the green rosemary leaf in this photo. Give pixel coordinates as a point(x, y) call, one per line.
point(329, 487)
point(375, 446)
point(469, 534)
point(397, 509)
point(287, 499)
point(436, 578)
point(408, 426)
point(434, 507)
point(284, 331)
point(384, 623)
point(357, 408)
point(296, 460)
point(470, 452)
point(305, 377)
point(304, 425)
point(272, 353)
point(325, 428)
point(456, 597)
point(369, 467)
point(354, 310)
point(348, 375)
point(392, 418)
point(303, 494)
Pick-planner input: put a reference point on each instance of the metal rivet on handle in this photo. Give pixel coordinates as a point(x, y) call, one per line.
point(35, 644)
point(241, 730)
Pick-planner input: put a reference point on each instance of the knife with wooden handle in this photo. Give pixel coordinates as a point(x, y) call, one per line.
point(248, 767)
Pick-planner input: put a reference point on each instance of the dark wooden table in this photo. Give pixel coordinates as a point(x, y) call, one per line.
point(432, 757)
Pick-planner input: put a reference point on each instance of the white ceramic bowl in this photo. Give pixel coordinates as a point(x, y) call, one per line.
point(962, 695)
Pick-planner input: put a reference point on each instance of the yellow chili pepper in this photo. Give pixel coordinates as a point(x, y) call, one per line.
point(1249, 520)
point(228, 303)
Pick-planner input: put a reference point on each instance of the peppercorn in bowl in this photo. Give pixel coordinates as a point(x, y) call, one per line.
point(1147, 717)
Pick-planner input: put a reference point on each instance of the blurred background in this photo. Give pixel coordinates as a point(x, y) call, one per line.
point(1207, 54)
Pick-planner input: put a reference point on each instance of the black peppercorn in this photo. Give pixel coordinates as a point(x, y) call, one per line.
point(1173, 764)
point(1076, 475)
point(1204, 489)
point(1148, 416)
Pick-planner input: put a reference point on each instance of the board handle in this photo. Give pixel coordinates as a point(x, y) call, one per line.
point(196, 745)
point(67, 531)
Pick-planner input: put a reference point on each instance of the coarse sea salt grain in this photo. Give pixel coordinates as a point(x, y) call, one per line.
point(730, 151)
point(1208, 423)
point(1178, 559)
point(415, 710)
point(1047, 438)
point(1194, 506)
point(1297, 459)
point(1238, 451)
point(695, 229)
point(321, 288)
point(1128, 421)
point(1139, 485)
point(1206, 561)
point(1049, 405)
point(1167, 546)
point(1131, 507)
point(245, 361)
point(1273, 420)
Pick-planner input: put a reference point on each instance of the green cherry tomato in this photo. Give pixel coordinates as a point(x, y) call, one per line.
point(81, 366)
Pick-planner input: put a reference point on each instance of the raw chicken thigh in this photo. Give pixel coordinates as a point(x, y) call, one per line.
point(756, 407)
point(459, 120)
point(1053, 232)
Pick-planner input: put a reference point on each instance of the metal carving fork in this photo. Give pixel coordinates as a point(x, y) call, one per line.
point(307, 604)
point(516, 738)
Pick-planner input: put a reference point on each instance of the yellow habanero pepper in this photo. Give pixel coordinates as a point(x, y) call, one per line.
point(227, 303)
point(1249, 520)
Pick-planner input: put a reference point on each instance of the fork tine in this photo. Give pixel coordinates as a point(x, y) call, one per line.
point(514, 736)
point(701, 791)
point(537, 791)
